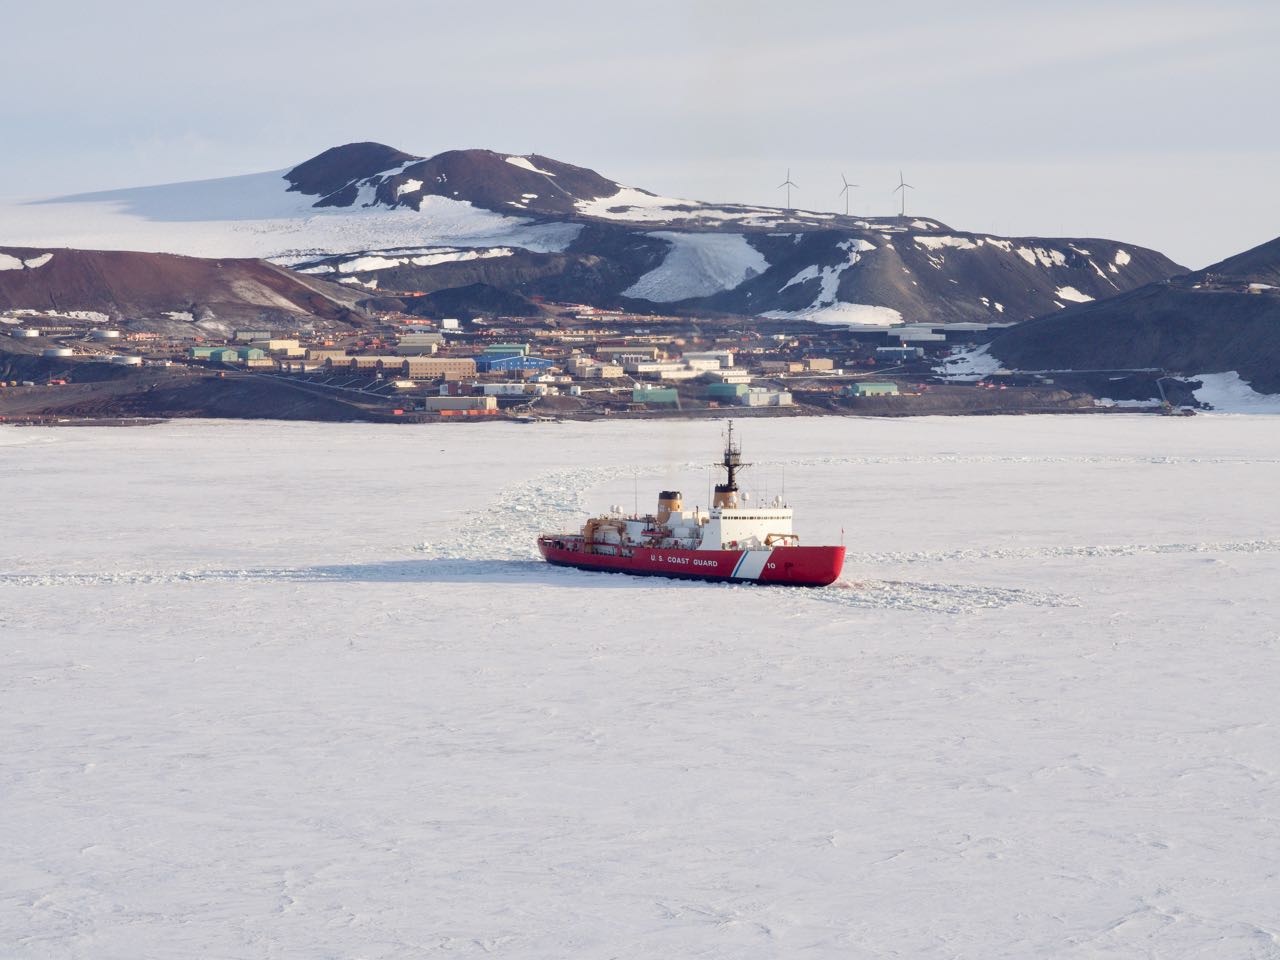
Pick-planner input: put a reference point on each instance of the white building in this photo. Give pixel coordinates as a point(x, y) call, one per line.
point(761, 397)
point(723, 358)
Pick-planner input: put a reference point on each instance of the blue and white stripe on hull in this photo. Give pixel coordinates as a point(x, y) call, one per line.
point(751, 564)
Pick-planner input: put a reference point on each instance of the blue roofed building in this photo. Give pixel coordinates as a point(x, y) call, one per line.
point(511, 362)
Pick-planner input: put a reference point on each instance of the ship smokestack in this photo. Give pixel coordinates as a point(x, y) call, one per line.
point(669, 502)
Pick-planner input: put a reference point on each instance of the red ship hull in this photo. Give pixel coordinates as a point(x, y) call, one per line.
point(792, 566)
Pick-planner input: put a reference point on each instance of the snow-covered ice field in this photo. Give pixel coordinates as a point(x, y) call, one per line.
point(301, 690)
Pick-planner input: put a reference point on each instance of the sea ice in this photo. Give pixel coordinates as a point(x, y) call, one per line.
point(305, 690)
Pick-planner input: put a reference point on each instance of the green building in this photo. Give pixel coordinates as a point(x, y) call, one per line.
point(250, 353)
point(659, 395)
point(202, 353)
point(727, 391)
point(874, 389)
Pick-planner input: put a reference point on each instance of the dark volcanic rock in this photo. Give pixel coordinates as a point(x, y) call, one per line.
point(533, 184)
point(947, 278)
point(140, 290)
point(473, 300)
point(1208, 321)
point(1261, 264)
point(495, 181)
point(338, 167)
point(569, 233)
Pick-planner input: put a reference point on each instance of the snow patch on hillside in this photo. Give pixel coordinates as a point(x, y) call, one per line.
point(1071, 293)
point(826, 307)
point(88, 316)
point(1043, 257)
point(360, 264)
point(698, 265)
point(383, 262)
point(409, 186)
point(524, 164)
point(1126, 404)
point(1121, 258)
point(8, 262)
point(969, 365)
point(811, 272)
point(1229, 393)
point(937, 243)
point(841, 314)
point(632, 204)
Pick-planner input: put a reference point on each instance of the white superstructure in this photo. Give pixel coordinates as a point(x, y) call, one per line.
point(748, 529)
point(730, 524)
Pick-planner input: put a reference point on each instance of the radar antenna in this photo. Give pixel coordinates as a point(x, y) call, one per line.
point(732, 463)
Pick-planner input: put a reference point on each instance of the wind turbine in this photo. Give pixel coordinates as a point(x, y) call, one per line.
point(904, 187)
point(788, 184)
point(848, 188)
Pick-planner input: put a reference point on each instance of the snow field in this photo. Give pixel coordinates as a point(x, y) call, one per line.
point(525, 164)
point(256, 216)
point(1072, 294)
point(840, 312)
point(969, 365)
point(1229, 393)
point(301, 689)
point(8, 262)
point(698, 265)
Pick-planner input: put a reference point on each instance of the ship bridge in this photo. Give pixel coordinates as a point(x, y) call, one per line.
point(748, 528)
point(733, 525)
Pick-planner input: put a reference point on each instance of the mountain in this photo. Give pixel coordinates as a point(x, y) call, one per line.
point(1223, 318)
point(369, 174)
point(1259, 265)
point(379, 219)
point(168, 294)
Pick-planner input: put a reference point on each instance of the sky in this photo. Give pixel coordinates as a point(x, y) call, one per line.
point(1152, 123)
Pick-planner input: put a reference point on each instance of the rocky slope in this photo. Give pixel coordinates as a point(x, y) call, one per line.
point(378, 219)
point(639, 250)
point(166, 293)
point(1223, 318)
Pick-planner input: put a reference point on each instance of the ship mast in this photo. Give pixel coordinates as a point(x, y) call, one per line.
point(727, 492)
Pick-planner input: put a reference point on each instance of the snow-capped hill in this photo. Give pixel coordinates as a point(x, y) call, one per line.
point(359, 176)
point(268, 215)
point(328, 175)
point(376, 218)
point(499, 182)
point(375, 175)
point(860, 274)
point(873, 275)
